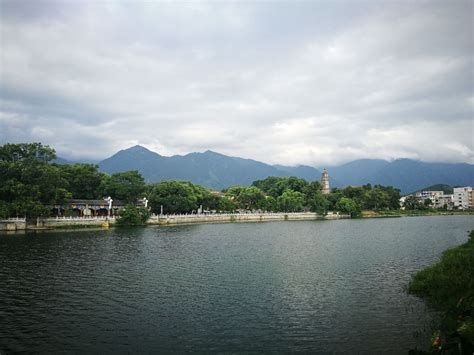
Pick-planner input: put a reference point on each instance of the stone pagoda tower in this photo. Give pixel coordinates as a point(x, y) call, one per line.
point(325, 182)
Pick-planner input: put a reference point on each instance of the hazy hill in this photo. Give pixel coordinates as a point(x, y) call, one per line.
point(356, 172)
point(209, 169)
point(218, 171)
point(406, 174)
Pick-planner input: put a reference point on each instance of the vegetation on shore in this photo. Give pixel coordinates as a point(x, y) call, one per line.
point(448, 286)
point(31, 184)
point(131, 215)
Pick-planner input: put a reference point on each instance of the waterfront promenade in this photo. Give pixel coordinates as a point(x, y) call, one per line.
point(14, 224)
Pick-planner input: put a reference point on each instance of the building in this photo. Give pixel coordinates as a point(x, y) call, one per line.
point(325, 182)
point(444, 201)
point(438, 199)
point(463, 197)
point(93, 208)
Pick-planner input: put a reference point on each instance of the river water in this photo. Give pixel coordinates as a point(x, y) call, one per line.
point(314, 286)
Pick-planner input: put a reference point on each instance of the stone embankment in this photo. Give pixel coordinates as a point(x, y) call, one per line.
point(15, 224)
point(239, 217)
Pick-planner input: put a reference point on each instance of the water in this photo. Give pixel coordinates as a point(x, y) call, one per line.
point(319, 286)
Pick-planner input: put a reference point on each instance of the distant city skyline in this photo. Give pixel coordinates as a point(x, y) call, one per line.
point(310, 83)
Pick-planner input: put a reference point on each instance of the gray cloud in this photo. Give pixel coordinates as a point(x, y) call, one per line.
point(300, 83)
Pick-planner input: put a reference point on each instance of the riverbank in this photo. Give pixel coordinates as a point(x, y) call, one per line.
point(448, 286)
point(83, 222)
point(18, 224)
point(405, 213)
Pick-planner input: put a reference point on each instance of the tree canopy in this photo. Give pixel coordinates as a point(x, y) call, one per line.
point(126, 186)
point(30, 184)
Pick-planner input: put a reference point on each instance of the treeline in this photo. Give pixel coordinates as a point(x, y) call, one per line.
point(30, 183)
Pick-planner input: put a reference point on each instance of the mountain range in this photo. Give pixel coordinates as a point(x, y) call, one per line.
point(406, 174)
point(218, 171)
point(210, 169)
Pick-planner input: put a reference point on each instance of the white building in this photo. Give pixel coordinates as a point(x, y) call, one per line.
point(444, 201)
point(438, 199)
point(463, 197)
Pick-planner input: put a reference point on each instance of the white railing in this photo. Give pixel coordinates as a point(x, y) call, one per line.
point(84, 218)
point(13, 220)
point(202, 215)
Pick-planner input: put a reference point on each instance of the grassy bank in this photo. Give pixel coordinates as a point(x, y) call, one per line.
point(448, 286)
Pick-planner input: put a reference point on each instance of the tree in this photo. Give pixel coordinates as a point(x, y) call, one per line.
point(267, 184)
point(174, 196)
point(318, 203)
point(251, 198)
point(27, 151)
point(290, 201)
point(314, 199)
point(270, 204)
point(131, 215)
point(29, 185)
point(290, 183)
point(204, 197)
point(233, 192)
point(412, 203)
point(349, 206)
point(126, 186)
point(226, 205)
point(83, 180)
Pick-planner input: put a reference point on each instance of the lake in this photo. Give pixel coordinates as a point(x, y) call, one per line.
point(314, 286)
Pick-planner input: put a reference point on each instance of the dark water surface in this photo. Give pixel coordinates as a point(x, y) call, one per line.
point(319, 286)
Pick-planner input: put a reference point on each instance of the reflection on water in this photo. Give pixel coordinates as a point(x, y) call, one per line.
point(281, 286)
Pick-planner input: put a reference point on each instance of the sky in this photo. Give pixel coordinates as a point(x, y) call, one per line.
point(284, 82)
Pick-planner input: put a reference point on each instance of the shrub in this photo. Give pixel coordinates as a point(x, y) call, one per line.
point(131, 215)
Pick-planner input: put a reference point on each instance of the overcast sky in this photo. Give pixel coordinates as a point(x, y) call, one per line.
point(313, 82)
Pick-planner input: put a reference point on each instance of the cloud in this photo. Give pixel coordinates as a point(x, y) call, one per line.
point(306, 83)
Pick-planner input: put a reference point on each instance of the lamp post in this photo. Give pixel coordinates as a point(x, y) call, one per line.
point(109, 200)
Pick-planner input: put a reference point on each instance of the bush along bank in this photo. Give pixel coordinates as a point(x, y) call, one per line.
point(448, 286)
point(133, 216)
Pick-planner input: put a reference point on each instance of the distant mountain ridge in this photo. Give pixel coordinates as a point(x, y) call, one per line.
point(406, 174)
point(210, 169)
point(218, 171)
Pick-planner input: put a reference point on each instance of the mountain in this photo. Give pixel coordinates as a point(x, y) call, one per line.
point(218, 171)
point(306, 172)
point(61, 161)
point(406, 174)
point(411, 175)
point(356, 172)
point(210, 169)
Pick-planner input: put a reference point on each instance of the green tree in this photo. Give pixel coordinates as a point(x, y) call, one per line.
point(233, 192)
point(174, 196)
point(290, 201)
point(267, 184)
point(318, 203)
point(204, 197)
point(270, 204)
point(131, 215)
point(250, 198)
point(27, 151)
point(290, 183)
point(412, 203)
point(348, 206)
point(29, 185)
point(83, 180)
point(126, 186)
point(226, 205)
